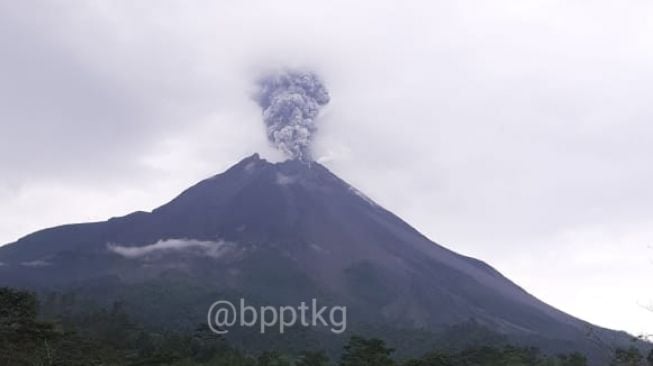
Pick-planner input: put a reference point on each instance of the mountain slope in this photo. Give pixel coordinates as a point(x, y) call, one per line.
point(288, 232)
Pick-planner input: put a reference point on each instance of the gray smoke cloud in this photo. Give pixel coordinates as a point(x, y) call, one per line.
point(291, 102)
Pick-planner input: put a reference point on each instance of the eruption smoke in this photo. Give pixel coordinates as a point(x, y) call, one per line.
point(291, 101)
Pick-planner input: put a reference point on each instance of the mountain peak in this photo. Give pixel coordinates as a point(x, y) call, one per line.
point(254, 162)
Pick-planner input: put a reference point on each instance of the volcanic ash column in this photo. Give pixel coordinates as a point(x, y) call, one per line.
point(291, 102)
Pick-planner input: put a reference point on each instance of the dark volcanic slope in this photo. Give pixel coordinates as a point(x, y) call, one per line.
point(287, 231)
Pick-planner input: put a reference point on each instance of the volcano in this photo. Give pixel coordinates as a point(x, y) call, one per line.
point(279, 233)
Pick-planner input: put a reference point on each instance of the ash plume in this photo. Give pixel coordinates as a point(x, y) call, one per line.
point(291, 101)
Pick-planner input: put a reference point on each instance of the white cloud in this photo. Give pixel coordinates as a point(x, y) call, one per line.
point(36, 263)
point(284, 180)
point(210, 248)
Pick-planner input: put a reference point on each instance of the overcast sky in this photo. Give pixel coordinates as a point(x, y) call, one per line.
point(518, 132)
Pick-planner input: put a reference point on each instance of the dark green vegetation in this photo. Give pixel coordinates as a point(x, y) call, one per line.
point(110, 337)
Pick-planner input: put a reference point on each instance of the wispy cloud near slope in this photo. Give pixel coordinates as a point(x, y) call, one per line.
point(213, 249)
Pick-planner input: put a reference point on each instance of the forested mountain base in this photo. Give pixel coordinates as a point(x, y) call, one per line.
point(109, 337)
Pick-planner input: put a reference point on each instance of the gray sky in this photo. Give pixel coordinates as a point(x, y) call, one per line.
point(517, 131)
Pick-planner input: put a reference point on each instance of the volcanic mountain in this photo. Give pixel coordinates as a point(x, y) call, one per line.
point(278, 234)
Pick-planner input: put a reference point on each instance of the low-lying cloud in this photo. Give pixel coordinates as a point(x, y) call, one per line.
point(214, 249)
point(35, 263)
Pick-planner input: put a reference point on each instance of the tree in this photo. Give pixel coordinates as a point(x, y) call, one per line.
point(572, 359)
point(272, 359)
point(627, 357)
point(366, 352)
point(23, 339)
point(432, 359)
point(313, 359)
